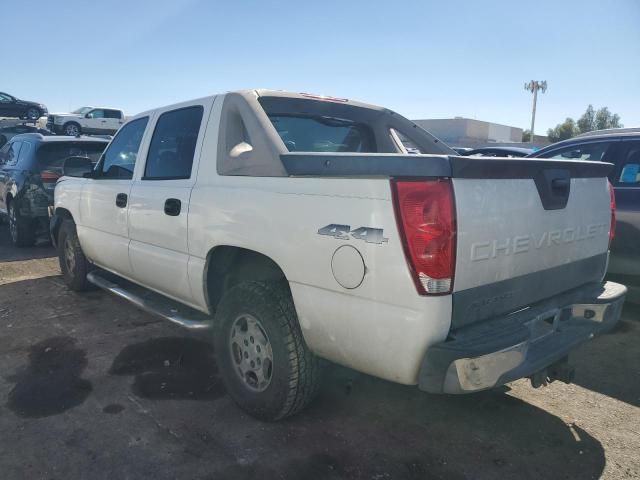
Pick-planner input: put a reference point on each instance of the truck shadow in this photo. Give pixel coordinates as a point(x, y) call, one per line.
point(368, 428)
point(609, 363)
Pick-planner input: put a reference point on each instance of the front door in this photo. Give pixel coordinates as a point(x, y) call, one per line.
point(94, 122)
point(160, 201)
point(104, 205)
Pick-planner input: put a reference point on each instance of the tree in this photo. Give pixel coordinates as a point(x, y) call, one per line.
point(604, 119)
point(526, 136)
point(598, 120)
point(562, 131)
point(587, 121)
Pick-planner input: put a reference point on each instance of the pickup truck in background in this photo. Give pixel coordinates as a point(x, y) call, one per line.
point(296, 227)
point(86, 120)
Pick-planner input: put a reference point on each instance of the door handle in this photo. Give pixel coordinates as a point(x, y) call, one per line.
point(172, 207)
point(121, 200)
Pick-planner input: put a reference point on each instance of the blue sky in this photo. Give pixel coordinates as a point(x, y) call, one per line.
point(424, 59)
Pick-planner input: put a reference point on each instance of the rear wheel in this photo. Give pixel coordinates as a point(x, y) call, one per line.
point(73, 263)
point(20, 228)
point(264, 362)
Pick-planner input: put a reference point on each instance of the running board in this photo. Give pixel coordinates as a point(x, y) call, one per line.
point(150, 301)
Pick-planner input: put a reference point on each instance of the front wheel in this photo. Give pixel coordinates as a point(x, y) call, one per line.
point(73, 264)
point(264, 362)
point(72, 129)
point(33, 114)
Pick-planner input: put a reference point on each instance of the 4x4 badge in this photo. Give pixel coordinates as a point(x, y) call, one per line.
point(342, 232)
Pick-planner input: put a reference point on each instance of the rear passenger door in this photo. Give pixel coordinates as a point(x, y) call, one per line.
point(8, 159)
point(112, 121)
point(160, 200)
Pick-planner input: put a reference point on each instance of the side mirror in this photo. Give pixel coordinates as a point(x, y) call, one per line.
point(77, 167)
point(240, 149)
point(89, 115)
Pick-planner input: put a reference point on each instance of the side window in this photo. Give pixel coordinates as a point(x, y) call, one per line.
point(24, 153)
point(630, 172)
point(111, 114)
point(589, 151)
point(4, 98)
point(173, 144)
point(13, 153)
point(403, 142)
point(119, 160)
point(96, 114)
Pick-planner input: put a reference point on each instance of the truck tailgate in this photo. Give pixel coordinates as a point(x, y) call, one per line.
point(526, 231)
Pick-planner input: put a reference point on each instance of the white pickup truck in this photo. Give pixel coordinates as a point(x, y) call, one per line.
point(296, 227)
point(86, 120)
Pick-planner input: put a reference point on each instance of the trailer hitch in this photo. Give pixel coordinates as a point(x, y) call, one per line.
point(561, 370)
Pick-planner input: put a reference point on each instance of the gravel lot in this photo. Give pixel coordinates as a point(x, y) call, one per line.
point(93, 388)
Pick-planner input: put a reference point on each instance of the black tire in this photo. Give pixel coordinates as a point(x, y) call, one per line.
point(72, 128)
point(73, 264)
point(295, 371)
point(20, 228)
point(33, 113)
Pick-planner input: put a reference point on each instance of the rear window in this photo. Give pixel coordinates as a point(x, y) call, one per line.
point(313, 126)
point(323, 134)
point(54, 154)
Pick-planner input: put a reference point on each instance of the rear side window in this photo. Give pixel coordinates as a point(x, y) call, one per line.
point(173, 144)
point(112, 114)
point(593, 152)
point(119, 160)
point(52, 155)
point(323, 134)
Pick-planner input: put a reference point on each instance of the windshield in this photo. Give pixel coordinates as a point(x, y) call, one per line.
point(52, 155)
point(82, 110)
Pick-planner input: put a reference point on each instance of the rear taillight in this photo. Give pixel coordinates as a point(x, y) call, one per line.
point(49, 177)
point(425, 213)
point(612, 227)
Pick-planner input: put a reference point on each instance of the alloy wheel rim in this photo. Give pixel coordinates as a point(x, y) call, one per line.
point(251, 352)
point(69, 256)
point(32, 114)
point(72, 130)
point(13, 223)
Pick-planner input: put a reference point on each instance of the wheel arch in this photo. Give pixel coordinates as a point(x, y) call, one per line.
point(60, 215)
point(226, 266)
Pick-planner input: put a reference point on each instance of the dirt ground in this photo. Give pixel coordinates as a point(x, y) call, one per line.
point(92, 388)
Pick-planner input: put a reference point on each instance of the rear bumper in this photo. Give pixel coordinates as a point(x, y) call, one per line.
point(510, 347)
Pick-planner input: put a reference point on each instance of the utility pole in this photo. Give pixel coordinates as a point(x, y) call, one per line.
point(533, 86)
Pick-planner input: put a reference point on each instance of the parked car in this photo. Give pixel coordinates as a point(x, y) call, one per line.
point(30, 165)
point(297, 227)
point(6, 133)
point(13, 107)
point(87, 120)
point(622, 148)
point(498, 152)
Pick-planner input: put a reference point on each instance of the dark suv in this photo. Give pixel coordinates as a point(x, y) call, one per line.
point(11, 106)
point(30, 165)
point(622, 148)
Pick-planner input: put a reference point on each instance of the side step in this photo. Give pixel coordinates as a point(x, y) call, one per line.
point(150, 301)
